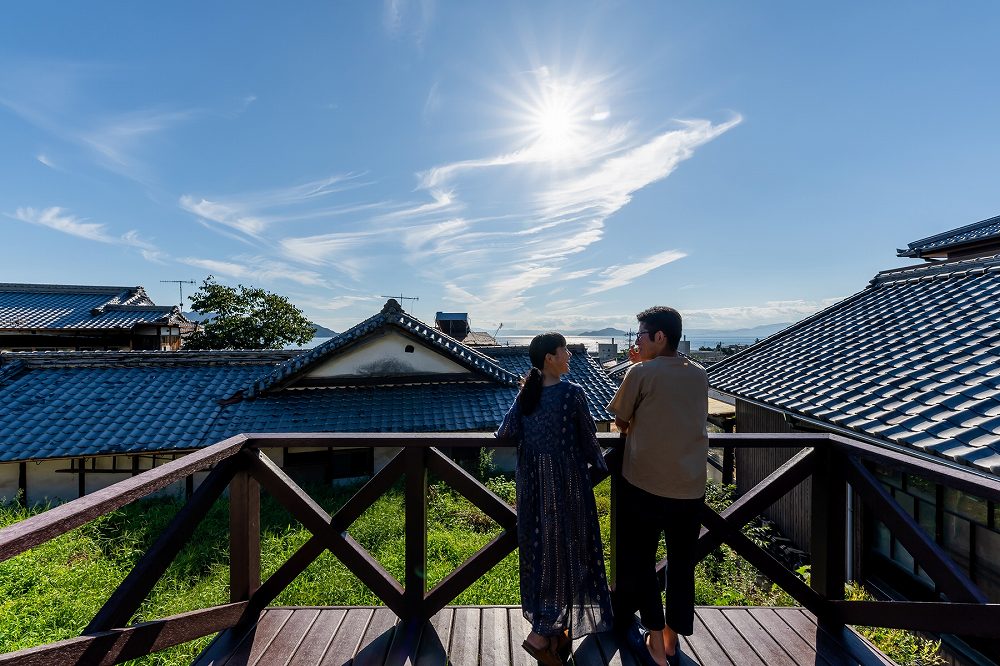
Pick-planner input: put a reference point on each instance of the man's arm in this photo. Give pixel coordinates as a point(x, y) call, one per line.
point(621, 425)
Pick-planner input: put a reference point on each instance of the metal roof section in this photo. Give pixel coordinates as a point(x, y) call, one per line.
point(77, 307)
point(391, 315)
point(980, 233)
point(913, 359)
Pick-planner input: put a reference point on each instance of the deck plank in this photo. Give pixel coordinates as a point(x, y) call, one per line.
point(769, 650)
point(799, 650)
point(824, 643)
point(348, 637)
point(378, 636)
point(288, 639)
point(491, 636)
point(464, 648)
point(433, 650)
point(315, 643)
point(494, 641)
point(737, 648)
point(270, 623)
point(519, 630)
point(706, 650)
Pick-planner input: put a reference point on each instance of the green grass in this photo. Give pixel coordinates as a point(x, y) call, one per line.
point(51, 592)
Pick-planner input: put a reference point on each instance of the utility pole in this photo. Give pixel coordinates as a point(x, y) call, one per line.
point(180, 287)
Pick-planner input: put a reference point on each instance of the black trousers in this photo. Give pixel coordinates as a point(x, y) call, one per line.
point(642, 517)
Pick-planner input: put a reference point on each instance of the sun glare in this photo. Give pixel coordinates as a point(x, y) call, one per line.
point(558, 121)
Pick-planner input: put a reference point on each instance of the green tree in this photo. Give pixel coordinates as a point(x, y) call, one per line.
point(245, 318)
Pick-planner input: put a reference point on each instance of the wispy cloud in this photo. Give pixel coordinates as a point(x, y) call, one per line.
point(619, 276)
point(408, 17)
point(742, 316)
point(44, 159)
point(257, 268)
point(59, 219)
point(251, 213)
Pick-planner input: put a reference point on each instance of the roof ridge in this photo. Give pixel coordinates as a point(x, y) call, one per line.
point(151, 357)
point(954, 232)
point(393, 315)
point(30, 288)
point(924, 271)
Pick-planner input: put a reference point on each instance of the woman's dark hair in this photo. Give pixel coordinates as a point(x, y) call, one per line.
point(531, 385)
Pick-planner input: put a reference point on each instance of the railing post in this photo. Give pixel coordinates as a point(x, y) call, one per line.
point(614, 462)
point(829, 524)
point(728, 465)
point(415, 582)
point(244, 536)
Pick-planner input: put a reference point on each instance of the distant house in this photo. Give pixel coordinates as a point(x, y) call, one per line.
point(50, 317)
point(74, 422)
point(911, 362)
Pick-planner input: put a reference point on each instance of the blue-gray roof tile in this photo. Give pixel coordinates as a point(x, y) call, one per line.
point(921, 343)
point(978, 232)
point(73, 307)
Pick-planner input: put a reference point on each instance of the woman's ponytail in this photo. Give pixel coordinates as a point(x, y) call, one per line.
point(531, 385)
point(531, 391)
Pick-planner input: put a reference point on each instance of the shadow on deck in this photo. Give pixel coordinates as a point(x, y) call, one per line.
point(492, 635)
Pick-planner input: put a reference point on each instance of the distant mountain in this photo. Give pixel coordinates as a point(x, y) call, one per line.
point(321, 331)
point(602, 333)
point(755, 332)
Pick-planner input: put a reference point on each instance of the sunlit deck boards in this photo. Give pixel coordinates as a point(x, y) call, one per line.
point(492, 635)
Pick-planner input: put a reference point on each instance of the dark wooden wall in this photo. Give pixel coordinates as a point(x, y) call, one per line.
point(791, 512)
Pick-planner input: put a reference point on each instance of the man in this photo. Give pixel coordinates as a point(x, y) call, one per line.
point(662, 406)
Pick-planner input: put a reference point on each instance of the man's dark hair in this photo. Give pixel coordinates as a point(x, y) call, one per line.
point(662, 318)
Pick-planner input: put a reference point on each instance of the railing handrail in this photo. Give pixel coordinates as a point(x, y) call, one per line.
point(831, 461)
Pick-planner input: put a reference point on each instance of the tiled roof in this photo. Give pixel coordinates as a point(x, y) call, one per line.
point(972, 233)
point(47, 307)
point(69, 404)
point(583, 370)
point(913, 359)
point(391, 315)
point(55, 404)
point(446, 407)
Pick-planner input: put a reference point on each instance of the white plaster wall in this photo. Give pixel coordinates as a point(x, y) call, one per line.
point(387, 355)
point(8, 481)
point(44, 484)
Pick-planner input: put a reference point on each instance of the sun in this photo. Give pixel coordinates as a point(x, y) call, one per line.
point(557, 121)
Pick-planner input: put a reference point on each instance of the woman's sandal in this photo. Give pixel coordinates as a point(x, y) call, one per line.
point(543, 655)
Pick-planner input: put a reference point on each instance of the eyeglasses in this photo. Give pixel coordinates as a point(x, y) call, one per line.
point(646, 333)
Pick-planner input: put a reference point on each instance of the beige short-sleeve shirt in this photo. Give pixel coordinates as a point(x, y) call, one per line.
point(665, 401)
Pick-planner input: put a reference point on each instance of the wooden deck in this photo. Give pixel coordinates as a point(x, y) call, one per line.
point(492, 635)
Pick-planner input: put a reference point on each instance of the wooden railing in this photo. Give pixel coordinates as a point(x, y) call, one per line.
point(237, 463)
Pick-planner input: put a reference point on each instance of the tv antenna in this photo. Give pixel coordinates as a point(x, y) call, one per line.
point(403, 298)
point(180, 287)
point(497, 331)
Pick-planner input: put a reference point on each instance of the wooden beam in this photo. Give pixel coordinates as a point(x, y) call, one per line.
point(244, 536)
point(963, 619)
point(948, 577)
point(415, 577)
point(776, 485)
point(118, 645)
point(40, 528)
point(470, 571)
point(481, 496)
point(126, 599)
point(828, 516)
point(22, 483)
point(313, 518)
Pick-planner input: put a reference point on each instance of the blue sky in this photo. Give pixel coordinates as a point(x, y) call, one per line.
point(537, 164)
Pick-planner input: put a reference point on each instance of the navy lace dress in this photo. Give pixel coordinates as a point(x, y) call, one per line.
point(563, 584)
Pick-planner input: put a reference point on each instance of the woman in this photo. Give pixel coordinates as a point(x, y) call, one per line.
point(564, 591)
